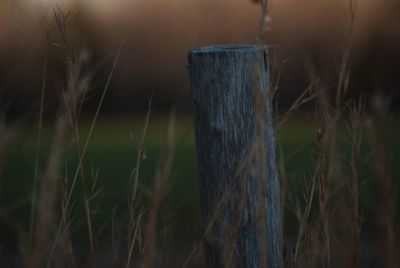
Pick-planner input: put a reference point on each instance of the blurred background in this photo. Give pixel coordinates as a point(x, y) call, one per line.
point(306, 41)
point(309, 36)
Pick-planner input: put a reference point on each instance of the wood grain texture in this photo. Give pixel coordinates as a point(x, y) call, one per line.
point(238, 179)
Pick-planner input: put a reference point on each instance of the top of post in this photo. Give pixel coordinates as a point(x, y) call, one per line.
point(227, 48)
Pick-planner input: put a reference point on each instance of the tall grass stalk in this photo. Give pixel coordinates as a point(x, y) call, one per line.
point(162, 175)
point(7, 133)
point(38, 144)
point(135, 211)
point(73, 97)
point(47, 195)
point(384, 180)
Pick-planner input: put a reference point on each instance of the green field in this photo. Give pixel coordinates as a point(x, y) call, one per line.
point(112, 154)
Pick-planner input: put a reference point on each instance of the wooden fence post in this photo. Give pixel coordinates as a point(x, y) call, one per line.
point(238, 179)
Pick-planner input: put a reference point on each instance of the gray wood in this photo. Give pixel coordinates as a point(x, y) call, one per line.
point(238, 178)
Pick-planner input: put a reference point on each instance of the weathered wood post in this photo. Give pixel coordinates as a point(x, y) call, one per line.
point(238, 181)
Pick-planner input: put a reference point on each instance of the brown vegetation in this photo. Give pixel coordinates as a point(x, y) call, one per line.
point(329, 219)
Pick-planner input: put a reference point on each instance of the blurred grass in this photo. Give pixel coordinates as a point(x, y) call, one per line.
point(112, 154)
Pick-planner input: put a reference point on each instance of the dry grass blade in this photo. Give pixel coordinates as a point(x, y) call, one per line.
point(135, 213)
point(308, 95)
point(47, 196)
point(94, 120)
point(134, 176)
point(6, 135)
point(38, 144)
point(344, 67)
point(305, 216)
point(384, 181)
point(161, 178)
point(356, 125)
point(72, 98)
